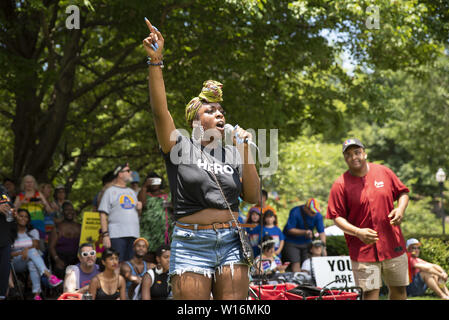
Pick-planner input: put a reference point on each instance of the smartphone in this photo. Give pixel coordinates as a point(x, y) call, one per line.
point(155, 181)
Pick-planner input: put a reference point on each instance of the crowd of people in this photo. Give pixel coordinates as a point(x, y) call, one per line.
point(44, 239)
point(48, 237)
point(46, 242)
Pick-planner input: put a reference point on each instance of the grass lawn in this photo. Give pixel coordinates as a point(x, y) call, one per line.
point(425, 297)
point(428, 295)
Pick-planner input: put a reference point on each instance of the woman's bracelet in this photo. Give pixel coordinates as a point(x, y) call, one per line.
point(157, 64)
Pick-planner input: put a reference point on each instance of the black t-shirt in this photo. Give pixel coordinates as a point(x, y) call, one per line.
point(192, 184)
point(160, 290)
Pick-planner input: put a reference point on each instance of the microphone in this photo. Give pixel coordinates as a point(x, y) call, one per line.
point(228, 131)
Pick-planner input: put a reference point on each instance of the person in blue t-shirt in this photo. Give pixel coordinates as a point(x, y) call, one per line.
point(270, 228)
point(299, 232)
point(254, 233)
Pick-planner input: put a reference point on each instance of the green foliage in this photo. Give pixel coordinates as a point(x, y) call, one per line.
point(153, 222)
point(419, 219)
point(436, 252)
point(336, 246)
point(410, 135)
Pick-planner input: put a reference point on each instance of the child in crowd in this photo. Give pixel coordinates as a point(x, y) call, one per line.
point(268, 262)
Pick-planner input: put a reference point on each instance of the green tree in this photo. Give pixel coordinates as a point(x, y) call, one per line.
point(411, 135)
point(419, 219)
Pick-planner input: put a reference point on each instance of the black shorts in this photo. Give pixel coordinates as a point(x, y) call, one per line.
point(295, 252)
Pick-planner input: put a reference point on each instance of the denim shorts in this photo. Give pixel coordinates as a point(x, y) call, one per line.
point(418, 287)
point(204, 251)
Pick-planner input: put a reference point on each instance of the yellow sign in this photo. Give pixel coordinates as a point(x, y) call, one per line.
point(90, 231)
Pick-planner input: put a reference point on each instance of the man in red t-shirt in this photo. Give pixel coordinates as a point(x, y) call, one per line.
point(361, 203)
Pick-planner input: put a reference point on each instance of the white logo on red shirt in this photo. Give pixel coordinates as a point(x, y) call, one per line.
point(379, 184)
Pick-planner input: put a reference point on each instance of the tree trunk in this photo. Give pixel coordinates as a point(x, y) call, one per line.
point(37, 133)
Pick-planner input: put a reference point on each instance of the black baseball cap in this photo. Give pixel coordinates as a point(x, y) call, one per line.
point(352, 142)
point(119, 168)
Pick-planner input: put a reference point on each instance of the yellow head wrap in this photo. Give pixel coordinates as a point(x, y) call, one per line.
point(211, 92)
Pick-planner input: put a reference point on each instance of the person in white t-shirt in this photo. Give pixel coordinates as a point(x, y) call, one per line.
point(119, 214)
point(315, 250)
point(26, 256)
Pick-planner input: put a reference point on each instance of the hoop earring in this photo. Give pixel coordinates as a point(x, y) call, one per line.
point(198, 133)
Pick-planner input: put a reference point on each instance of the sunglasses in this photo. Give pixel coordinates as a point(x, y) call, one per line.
point(127, 170)
point(88, 253)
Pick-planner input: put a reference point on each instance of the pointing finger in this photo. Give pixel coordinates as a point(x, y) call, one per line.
point(149, 25)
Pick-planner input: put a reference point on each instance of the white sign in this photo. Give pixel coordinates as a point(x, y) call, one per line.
point(329, 269)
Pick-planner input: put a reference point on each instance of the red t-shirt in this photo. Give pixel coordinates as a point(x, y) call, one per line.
point(366, 202)
point(412, 262)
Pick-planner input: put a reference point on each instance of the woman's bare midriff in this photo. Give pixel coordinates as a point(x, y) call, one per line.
point(209, 216)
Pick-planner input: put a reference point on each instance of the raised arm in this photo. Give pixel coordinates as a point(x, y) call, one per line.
point(163, 120)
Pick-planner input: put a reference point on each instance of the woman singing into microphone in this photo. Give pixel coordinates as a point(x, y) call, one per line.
point(206, 255)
